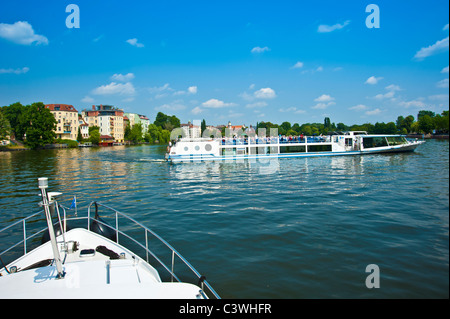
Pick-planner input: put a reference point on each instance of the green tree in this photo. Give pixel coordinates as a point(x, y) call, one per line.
point(94, 134)
point(342, 127)
point(423, 113)
point(426, 124)
point(5, 127)
point(327, 124)
point(41, 125)
point(161, 119)
point(203, 127)
point(166, 122)
point(407, 123)
point(136, 133)
point(400, 122)
point(15, 113)
point(79, 135)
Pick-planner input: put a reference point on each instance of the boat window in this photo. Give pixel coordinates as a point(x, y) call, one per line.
point(348, 142)
point(292, 149)
point(396, 140)
point(371, 142)
point(319, 148)
point(208, 147)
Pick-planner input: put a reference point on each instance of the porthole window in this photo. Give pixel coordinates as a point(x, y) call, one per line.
point(208, 147)
point(186, 148)
point(197, 148)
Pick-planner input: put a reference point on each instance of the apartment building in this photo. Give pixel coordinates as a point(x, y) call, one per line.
point(135, 118)
point(108, 118)
point(191, 130)
point(67, 120)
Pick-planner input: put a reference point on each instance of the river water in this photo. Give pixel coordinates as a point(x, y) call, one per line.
point(293, 228)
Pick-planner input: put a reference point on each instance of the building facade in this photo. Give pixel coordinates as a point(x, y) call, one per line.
point(191, 130)
point(67, 120)
point(135, 118)
point(108, 118)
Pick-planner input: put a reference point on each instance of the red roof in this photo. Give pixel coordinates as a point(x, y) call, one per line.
point(61, 107)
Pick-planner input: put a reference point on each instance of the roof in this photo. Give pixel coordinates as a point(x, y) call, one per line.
point(61, 107)
point(106, 137)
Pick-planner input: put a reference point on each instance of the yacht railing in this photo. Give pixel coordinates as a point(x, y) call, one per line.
point(27, 236)
point(148, 232)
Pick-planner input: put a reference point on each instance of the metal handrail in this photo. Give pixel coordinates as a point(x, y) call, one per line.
point(145, 246)
point(148, 251)
point(24, 232)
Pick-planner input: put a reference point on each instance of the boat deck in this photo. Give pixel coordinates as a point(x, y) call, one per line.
point(89, 274)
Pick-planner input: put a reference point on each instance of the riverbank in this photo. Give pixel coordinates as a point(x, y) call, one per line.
point(429, 136)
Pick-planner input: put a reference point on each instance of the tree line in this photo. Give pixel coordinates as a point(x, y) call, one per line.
point(427, 122)
point(34, 125)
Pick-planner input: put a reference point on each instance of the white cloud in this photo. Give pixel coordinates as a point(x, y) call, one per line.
point(15, 71)
point(297, 65)
point(265, 93)
point(390, 94)
point(373, 112)
point(87, 99)
point(324, 98)
point(373, 80)
point(445, 70)
point(196, 110)
point(260, 50)
point(115, 88)
point(134, 42)
point(159, 89)
point(393, 87)
point(359, 107)
point(322, 106)
point(123, 78)
point(192, 89)
point(256, 104)
point(215, 104)
point(439, 97)
point(414, 103)
point(323, 28)
point(21, 32)
point(438, 47)
point(172, 107)
point(292, 110)
point(319, 69)
point(445, 27)
point(443, 84)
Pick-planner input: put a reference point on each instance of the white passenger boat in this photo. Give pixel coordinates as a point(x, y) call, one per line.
point(253, 147)
point(90, 262)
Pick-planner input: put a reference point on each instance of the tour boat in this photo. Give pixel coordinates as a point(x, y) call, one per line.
point(89, 262)
point(254, 147)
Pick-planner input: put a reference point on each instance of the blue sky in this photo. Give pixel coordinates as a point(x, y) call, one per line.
point(238, 61)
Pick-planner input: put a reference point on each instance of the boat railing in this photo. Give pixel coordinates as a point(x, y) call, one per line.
point(29, 234)
point(275, 140)
point(26, 234)
point(148, 234)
